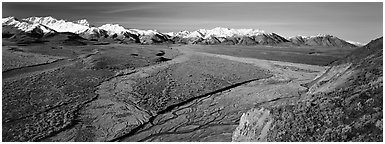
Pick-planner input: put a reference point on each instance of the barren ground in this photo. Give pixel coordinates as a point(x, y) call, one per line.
point(213, 91)
point(303, 54)
point(15, 57)
point(131, 93)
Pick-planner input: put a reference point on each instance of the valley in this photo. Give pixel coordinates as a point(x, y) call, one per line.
point(122, 92)
point(70, 81)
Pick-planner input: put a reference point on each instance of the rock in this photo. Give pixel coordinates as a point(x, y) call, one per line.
point(160, 53)
point(253, 126)
point(161, 59)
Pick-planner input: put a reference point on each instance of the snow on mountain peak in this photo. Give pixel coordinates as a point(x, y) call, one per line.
point(79, 27)
point(144, 32)
point(82, 22)
point(308, 37)
point(172, 34)
point(41, 20)
point(356, 43)
point(199, 33)
point(8, 20)
point(322, 35)
point(219, 32)
point(299, 37)
point(113, 28)
point(24, 26)
point(58, 25)
point(82, 27)
point(179, 34)
point(226, 32)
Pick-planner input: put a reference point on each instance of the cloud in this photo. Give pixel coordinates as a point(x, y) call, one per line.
point(122, 10)
point(132, 7)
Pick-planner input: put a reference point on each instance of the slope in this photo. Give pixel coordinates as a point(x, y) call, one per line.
point(343, 104)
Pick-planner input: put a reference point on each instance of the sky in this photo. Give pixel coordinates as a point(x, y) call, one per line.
point(356, 21)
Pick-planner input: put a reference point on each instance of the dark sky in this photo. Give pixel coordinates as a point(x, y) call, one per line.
point(360, 22)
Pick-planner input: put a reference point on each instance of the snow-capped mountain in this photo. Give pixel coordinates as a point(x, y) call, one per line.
point(184, 34)
point(144, 32)
point(356, 43)
point(113, 29)
point(194, 34)
point(59, 25)
point(13, 28)
point(94, 33)
point(220, 35)
point(24, 26)
point(82, 22)
point(226, 32)
point(325, 40)
point(216, 32)
point(298, 39)
point(80, 27)
point(116, 32)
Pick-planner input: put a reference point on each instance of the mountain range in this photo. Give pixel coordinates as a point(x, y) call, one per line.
point(37, 28)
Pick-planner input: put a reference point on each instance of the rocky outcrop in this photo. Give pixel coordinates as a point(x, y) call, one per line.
point(298, 40)
point(246, 41)
point(253, 126)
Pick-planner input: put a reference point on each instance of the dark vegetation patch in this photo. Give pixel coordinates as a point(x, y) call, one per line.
point(16, 49)
point(343, 115)
point(101, 43)
point(67, 39)
point(353, 112)
point(293, 68)
point(71, 42)
point(16, 57)
point(160, 53)
point(20, 44)
point(197, 76)
point(160, 59)
point(287, 54)
point(59, 47)
point(26, 42)
point(128, 57)
point(7, 35)
point(56, 50)
point(7, 42)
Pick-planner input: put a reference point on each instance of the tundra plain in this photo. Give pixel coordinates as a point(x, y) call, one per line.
point(133, 92)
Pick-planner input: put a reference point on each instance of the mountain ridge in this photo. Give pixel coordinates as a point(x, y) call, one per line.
point(217, 35)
